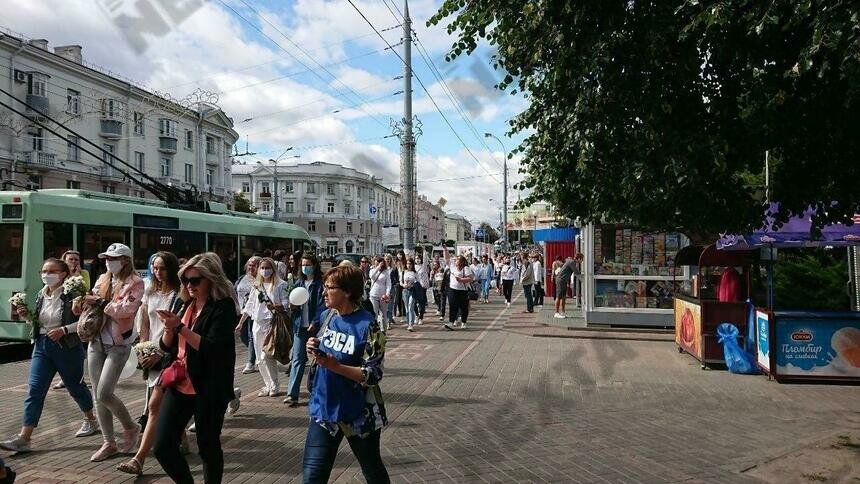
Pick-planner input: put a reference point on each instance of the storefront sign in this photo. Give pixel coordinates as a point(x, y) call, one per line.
point(762, 324)
point(819, 347)
point(688, 327)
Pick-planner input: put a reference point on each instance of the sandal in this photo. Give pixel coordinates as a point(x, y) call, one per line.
point(133, 466)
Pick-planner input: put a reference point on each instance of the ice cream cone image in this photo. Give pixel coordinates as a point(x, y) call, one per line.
point(846, 342)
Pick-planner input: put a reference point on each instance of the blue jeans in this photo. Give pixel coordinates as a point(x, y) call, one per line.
point(419, 293)
point(299, 360)
point(389, 312)
point(321, 449)
point(50, 358)
point(485, 288)
point(409, 303)
point(530, 305)
point(252, 355)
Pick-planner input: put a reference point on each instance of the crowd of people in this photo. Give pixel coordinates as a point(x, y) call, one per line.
point(181, 322)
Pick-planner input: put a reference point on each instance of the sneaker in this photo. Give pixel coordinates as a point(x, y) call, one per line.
point(409, 328)
point(59, 385)
point(233, 407)
point(275, 393)
point(293, 402)
point(388, 326)
point(90, 427)
point(107, 450)
point(420, 322)
point(129, 441)
point(192, 427)
point(16, 444)
point(449, 327)
point(438, 313)
point(508, 304)
point(442, 318)
point(462, 325)
point(249, 368)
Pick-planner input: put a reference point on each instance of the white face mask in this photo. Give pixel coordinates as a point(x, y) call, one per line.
point(114, 266)
point(266, 273)
point(50, 280)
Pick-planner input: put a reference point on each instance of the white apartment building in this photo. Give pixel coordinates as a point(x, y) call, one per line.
point(343, 210)
point(186, 145)
point(457, 227)
point(430, 221)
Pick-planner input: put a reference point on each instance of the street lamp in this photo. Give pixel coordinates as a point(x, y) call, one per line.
point(275, 199)
point(504, 190)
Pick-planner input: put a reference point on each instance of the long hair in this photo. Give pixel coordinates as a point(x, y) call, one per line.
point(209, 266)
point(105, 281)
point(276, 279)
point(171, 263)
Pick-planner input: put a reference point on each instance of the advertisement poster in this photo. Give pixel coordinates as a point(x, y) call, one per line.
point(762, 341)
point(688, 327)
point(818, 347)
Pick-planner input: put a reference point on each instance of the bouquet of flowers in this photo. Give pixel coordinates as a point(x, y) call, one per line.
point(74, 286)
point(146, 349)
point(18, 299)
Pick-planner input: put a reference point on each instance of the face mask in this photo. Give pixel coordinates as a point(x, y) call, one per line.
point(50, 280)
point(308, 270)
point(114, 266)
point(266, 273)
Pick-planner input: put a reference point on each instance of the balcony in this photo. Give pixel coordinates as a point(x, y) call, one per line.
point(167, 144)
point(217, 191)
point(213, 159)
point(110, 128)
point(169, 180)
point(41, 158)
point(107, 173)
point(37, 103)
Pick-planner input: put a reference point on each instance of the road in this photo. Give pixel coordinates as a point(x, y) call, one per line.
point(498, 403)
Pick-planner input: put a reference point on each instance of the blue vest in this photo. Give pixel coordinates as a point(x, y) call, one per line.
point(336, 398)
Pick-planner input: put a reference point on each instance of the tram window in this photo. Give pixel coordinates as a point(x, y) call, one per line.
point(59, 237)
point(225, 247)
point(93, 240)
point(184, 245)
point(12, 248)
point(263, 246)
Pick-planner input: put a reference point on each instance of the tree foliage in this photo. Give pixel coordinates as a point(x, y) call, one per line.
point(491, 234)
point(242, 204)
point(659, 113)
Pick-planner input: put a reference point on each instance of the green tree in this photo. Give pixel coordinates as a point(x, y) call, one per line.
point(242, 204)
point(659, 113)
point(491, 234)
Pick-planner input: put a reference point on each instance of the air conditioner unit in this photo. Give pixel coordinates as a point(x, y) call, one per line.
point(20, 76)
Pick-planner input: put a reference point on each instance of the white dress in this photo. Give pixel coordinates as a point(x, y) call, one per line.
point(153, 302)
point(261, 314)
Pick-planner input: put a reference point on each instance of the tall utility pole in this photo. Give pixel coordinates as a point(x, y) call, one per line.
point(407, 140)
point(504, 234)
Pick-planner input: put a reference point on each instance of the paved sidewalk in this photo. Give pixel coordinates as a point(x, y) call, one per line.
point(495, 403)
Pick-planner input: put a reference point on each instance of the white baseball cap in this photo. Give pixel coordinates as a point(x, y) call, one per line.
point(116, 250)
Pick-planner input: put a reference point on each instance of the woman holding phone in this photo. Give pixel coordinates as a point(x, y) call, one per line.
point(200, 382)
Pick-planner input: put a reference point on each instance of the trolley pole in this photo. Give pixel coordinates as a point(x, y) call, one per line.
point(407, 140)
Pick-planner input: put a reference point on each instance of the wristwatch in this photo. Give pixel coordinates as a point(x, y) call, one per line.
point(178, 328)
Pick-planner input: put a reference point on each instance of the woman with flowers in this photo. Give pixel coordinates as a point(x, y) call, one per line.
point(57, 349)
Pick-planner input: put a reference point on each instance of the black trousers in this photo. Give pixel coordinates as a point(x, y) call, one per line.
point(507, 288)
point(176, 411)
point(459, 302)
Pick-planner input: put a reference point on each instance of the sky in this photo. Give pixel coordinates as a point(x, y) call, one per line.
point(311, 75)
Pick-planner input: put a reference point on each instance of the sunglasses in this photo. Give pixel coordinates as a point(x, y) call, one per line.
point(193, 281)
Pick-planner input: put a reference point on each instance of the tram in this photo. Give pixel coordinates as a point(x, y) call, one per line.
point(36, 225)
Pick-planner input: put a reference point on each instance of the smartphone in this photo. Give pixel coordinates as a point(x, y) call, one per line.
point(319, 352)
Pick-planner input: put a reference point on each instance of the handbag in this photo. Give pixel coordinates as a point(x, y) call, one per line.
point(312, 365)
point(173, 375)
point(92, 319)
point(279, 340)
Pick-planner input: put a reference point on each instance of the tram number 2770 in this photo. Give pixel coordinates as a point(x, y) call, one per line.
point(165, 240)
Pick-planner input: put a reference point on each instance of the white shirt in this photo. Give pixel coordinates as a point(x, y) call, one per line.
point(380, 282)
point(153, 302)
point(409, 278)
point(244, 288)
point(455, 273)
point(509, 272)
point(423, 272)
point(51, 315)
point(538, 268)
point(257, 310)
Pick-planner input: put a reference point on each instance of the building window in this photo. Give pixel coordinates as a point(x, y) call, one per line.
point(139, 161)
point(73, 185)
point(38, 140)
point(210, 145)
point(38, 85)
point(264, 187)
point(312, 226)
point(210, 176)
point(189, 173)
point(347, 208)
point(312, 208)
point(73, 101)
point(139, 194)
point(312, 188)
point(189, 139)
point(349, 227)
point(246, 187)
point(330, 207)
point(361, 228)
point(73, 152)
point(108, 150)
point(138, 123)
point(332, 227)
point(288, 187)
point(113, 109)
point(346, 190)
point(165, 167)
point(167, 127)
point(288, 207)
point(330, 188)
point(267, 207)
point(109, 189)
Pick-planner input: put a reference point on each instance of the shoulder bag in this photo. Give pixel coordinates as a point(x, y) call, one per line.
point(279, 340)
point(93, 319)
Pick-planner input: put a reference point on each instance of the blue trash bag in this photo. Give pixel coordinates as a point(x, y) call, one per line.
point(737, 360)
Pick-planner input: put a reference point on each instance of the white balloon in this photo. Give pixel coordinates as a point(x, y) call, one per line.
point(299, 296)
point(130, 366)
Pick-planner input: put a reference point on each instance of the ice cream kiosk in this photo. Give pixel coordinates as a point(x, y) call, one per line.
point(699, 307)
point(802, 345)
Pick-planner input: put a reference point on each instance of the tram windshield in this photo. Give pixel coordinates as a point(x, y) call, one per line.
point(12, 248)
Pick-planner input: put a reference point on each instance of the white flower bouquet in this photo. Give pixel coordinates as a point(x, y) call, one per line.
point(74, 286)
point(148, 348)
point(18, 299)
